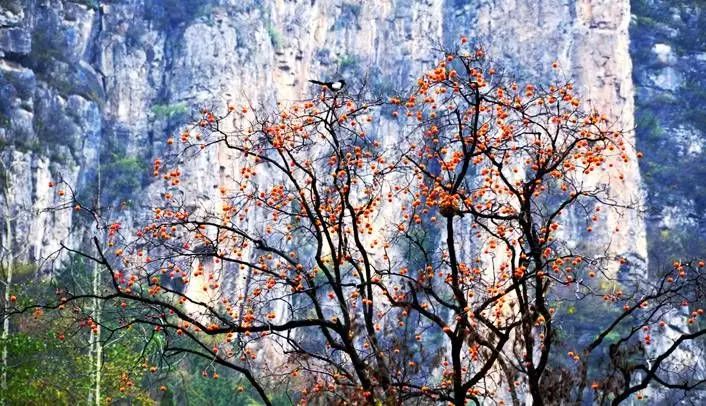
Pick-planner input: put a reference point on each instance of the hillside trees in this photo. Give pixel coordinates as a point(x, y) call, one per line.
point(432, 264)
point(9, 253)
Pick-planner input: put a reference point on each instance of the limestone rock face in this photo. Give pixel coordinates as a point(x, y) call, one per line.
point(589, 39)
point(90, 85)
point(668, 66)
point(669, 62)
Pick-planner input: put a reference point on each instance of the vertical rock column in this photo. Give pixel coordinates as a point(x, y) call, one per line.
point(590, 41)
point(603, 69)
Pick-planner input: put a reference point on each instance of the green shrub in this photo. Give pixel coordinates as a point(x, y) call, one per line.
point(168, 111)
point(275, 36)
point(122, 177)
point(347, 61)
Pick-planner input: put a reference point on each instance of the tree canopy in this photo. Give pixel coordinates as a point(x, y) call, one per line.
point(416, 249)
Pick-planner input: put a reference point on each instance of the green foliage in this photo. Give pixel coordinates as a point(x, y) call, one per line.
point(15, 7)
point(646, 22)
point(671, 179)
point(275, 36)
point(23, 270)
point(215, 392)
point(612, 337)
point(169, 111)
point(48, 352)
point(171, 14)
point(49, 370)
point(5, 121)
point(320, 278)
point(46, 370)
point(384, 86)
point(29, 145)
point(205, 11)
point(124, 357)
point(650, 126)
point(578, 323)
point(193, 380)
point(43, 371)
point(352, 9)
point(76, 274)
point(350, 13)
point(122, 177)
point(347, 61)
point(45, 49)
point(421, 239)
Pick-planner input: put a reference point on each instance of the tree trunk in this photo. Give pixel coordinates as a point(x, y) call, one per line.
point(91, 351)
point(7, 264)
point(96, 345)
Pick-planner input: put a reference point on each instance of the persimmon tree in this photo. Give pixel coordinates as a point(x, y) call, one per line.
point(407, 250)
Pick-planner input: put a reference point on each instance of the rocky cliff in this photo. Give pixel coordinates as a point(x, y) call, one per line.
point(90, 85)
point(668, 46)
